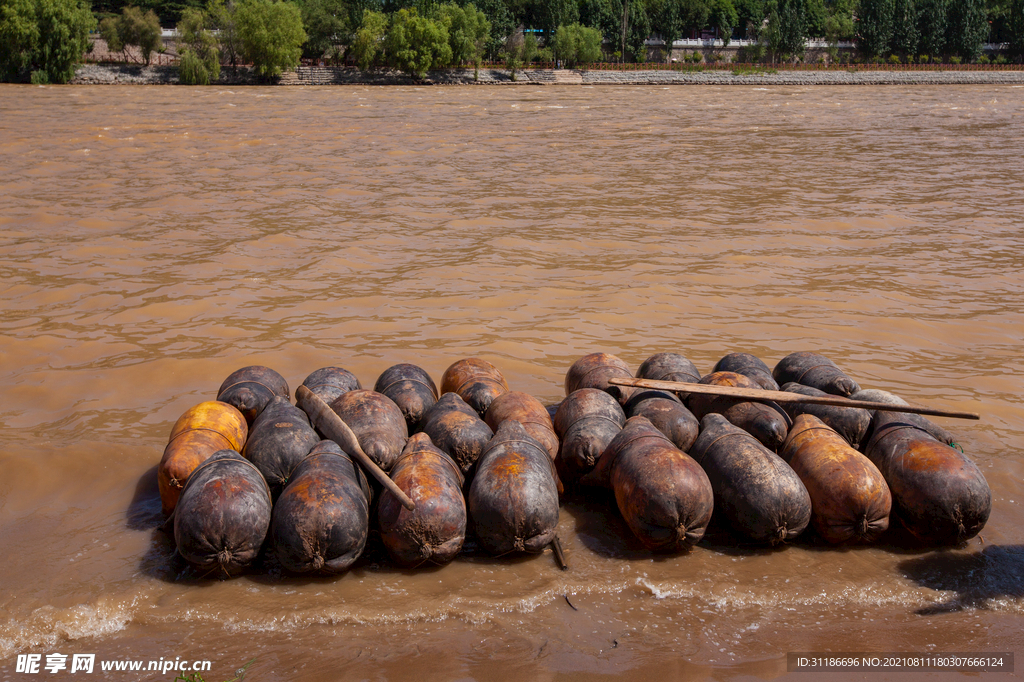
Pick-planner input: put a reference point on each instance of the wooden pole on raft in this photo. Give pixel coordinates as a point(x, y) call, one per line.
point(332, 426)
point(762, 395)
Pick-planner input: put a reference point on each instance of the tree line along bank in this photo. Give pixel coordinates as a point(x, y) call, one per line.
point(43, 40)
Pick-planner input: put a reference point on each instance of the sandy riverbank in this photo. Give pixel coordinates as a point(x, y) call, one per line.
point(99, 74)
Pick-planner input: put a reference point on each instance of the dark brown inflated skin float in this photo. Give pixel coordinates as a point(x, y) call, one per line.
point(412, 389)
point(455, 428)
point(876, 395)
point(435, 531)
point(223, 515)
point(594, 371)
point(281, 437)
point(586, 421)
point(767, 422)
point(852, 423)
point(938, 493)
point(513, 500)
point(749, 366)
point(668, 367)
point(330, 383)
point(321, 519)
point(816, 371)
point(760, 495)
point(377, 423)
point(477, 381)
point(667, 413)
point(251, 389)
point(850, 500)
point(662, 493)
point(529, 412)
point(201, 431)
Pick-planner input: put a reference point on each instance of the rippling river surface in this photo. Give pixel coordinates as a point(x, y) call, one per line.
point(154, 239)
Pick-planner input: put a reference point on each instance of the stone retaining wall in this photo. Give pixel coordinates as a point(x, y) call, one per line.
point(306, 75)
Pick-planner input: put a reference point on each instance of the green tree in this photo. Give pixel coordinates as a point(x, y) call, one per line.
point(816, 14)
point(416, 44)
point(839, 26)
point(64, 27)
point(19, 36)
point(1015, 24)
point(499, 15)
point(517, 51)
point(966, 28)
point(874, 27)
point(169, 12)
point(548, 15)
point(222, 16)
point(577, 45)
point(200, 58)
point(605, 15)
point(751, 15)
point(665, 22)
point(638, 30)
point(326, 23)
point(724, 19)
point(468, 31)
point(43, 39)
point(132, 29)
point(905, 33)
point(997, 14)
point(271, 35)
point(786, 30)
point(670, 19)
point(368, 43)
point(931, 26)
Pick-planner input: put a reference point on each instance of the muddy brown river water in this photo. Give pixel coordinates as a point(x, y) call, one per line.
point(154, 239)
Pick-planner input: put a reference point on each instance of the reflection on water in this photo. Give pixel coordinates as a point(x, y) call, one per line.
point(155, 239)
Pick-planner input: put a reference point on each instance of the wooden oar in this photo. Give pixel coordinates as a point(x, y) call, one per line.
point(332, 426)
point(761, 395)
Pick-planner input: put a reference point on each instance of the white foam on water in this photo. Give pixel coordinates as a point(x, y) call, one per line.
point(736, 596)
point(48, 626)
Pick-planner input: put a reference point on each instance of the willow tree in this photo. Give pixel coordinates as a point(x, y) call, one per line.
point(197, 46)
point(416, 44)
point(271, 34)
point(468, 31)
point(577, 45)
point(43, 40)
point(133, 29)
point(368, 43)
